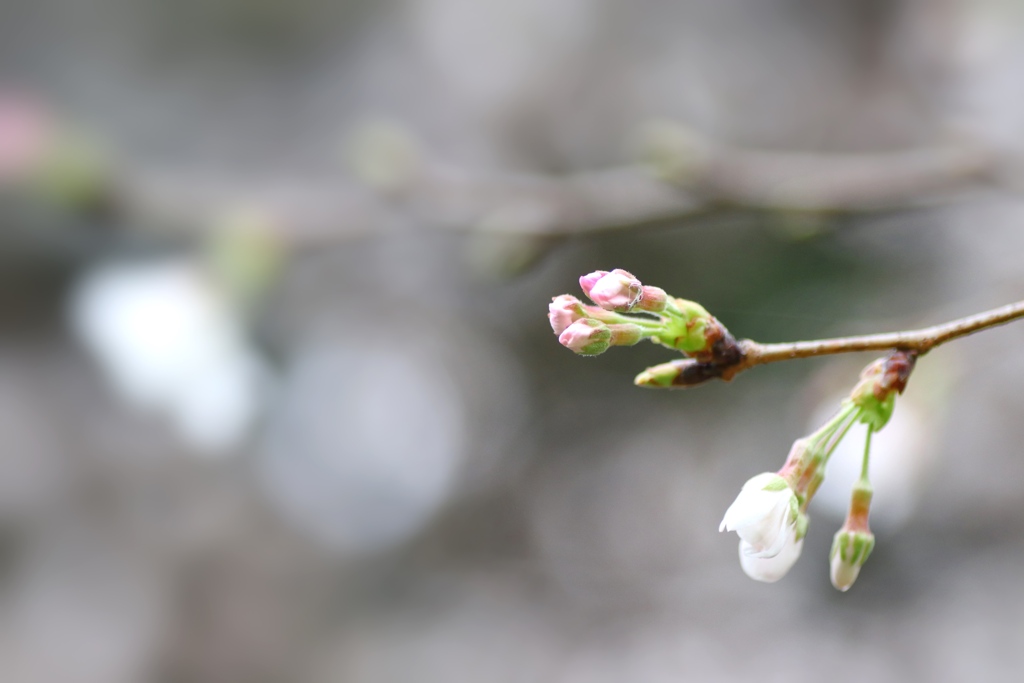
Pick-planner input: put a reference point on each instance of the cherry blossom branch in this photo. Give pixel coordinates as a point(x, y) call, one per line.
point(770, 513)
point(626, 311)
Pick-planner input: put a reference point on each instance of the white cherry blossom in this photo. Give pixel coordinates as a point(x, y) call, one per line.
point(762, 514)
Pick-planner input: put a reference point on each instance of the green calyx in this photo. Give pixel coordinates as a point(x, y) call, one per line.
point(873, 412)
point(802, 520)
point(682, 337)
point(688, 310)
point(853, 547)
point(600, 341)
point(685, 326)
point(776, 484)
point(880, 382)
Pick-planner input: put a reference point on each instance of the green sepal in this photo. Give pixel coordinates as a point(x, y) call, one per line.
point(802, 522)
point(853, 547)
point(872, 412)
point(600, 344)
point(683, 335)
point(689, 310)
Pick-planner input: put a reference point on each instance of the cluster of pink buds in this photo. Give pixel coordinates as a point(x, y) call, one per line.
point(626, 311)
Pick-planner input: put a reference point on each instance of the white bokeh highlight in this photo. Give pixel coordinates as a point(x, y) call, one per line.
point(170, 343)
point(366, 445)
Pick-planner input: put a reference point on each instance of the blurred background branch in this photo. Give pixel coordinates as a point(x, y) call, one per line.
point(395, 182)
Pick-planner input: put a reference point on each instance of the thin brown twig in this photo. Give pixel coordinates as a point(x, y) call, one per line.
point(921, 341)
point(690, 372)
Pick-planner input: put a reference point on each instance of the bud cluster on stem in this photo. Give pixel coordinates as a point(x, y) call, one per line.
point(626, 311)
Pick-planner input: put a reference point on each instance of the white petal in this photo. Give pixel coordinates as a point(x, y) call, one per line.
point(760, 481)
point(768, 544)
point(751, 508)
point(771, 569)
point(769, 535)
point(760, 518)
point(843, 574)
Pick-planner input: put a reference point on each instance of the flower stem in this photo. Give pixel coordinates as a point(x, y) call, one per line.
point(838, 435)
point(867, 456)
point(825, 438)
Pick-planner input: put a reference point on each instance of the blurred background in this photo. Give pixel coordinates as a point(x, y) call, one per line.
point(279, 402)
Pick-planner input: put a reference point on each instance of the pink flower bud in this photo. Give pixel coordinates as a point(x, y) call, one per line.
point(563, 311)
point(616, 291)
point(653, 299)
point(586, 337)
point(588, 281)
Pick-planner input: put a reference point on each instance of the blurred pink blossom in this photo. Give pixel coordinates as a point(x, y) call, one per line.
point(25, 127)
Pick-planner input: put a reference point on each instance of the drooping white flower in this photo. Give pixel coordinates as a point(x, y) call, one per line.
point(771, 569)
point(762, 515)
